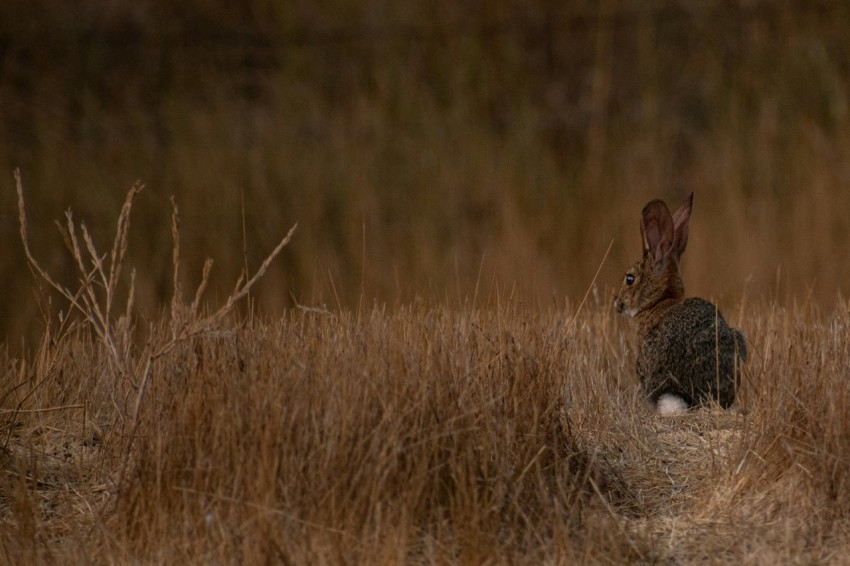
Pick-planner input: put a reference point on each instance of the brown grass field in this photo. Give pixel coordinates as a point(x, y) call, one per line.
point(428, 370)
point(494, 432)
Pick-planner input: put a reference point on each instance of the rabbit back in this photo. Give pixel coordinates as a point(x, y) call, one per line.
point(691, 352)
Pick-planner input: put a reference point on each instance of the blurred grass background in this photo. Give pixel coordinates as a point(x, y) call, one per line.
point(429, 149)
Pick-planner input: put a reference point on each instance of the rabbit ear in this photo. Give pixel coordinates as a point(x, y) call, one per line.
point(681, 220)
point(656, 226)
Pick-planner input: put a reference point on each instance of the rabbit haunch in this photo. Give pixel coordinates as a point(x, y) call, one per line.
point(686, 350)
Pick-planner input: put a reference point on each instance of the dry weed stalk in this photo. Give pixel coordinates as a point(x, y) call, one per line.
point(95, 298)
point(98, 284)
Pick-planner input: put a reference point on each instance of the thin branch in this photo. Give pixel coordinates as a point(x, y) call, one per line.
point(119, 246)
point(175, 258)
point(71, 235)
point(22, 218)
point(95, 257)
point(250, 283)
point(589, 287)
point(131, 295)
point(205, 276)
point(43, 410)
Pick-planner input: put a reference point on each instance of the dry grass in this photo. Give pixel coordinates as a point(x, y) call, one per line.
point(497, 433)
point(407, 385)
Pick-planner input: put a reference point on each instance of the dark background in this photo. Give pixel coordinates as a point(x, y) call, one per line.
point(429, 149)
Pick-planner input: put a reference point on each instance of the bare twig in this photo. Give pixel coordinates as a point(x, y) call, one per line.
point(175, 259)
point(260, 272)
point(71, 297)
point(119, 247)
point(41, 410)
point(589, 287)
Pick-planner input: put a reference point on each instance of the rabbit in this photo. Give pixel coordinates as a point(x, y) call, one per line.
point(687, 355)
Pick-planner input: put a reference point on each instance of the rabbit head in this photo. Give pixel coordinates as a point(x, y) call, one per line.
point(656, 277)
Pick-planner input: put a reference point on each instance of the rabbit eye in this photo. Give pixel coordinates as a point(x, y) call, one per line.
point(630, 279)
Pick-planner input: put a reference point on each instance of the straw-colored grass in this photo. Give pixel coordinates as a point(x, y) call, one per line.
point(408, 382)
point(496, 432)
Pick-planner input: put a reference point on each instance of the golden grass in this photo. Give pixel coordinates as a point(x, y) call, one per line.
point(426, 434)
point(407, 386)
point(496, 433)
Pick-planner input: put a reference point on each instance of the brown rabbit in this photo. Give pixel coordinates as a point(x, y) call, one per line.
point(687, 354)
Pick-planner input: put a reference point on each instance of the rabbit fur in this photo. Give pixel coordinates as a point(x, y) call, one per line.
point(686, 350)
